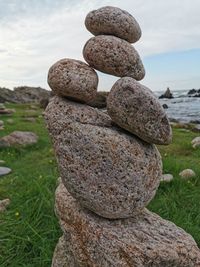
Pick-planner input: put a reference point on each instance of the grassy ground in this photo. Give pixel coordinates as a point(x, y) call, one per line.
point(29, 229)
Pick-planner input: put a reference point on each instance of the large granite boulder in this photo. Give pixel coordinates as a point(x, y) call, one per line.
point(134, 107)
point(112, 55)
point(110, 172)
point(74, 79)
point(110, 20)
point(145, 240)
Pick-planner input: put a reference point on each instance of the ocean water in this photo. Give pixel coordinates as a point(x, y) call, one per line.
point(181, 107)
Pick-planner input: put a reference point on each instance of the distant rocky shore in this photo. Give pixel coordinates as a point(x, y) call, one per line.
point(24, 94)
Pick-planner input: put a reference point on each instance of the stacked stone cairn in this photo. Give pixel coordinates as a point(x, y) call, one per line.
point(109, 165)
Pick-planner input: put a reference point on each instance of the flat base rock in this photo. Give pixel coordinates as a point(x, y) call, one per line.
point(145, 240)
point(18, 138)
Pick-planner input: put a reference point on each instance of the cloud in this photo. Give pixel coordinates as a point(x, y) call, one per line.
point(35, 34)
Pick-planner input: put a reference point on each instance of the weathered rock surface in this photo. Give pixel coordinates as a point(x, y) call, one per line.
point(4, 171)
point(143, 241)
point(110, 20)
point(99, 101)
point(196, 142)
point(133, 107)
point(1, 123)
point(18, 138)
point(187, 173)
point(109, 171)
point(112, 55)
point(73, 78)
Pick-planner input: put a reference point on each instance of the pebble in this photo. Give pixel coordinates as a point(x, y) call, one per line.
point(4, 204)
point(166, 177)
point(136, 109)
point(4, 171)
point(196, 142)
point(112, 55)
point(74, 79)
point(187, 173)
point(110, 20)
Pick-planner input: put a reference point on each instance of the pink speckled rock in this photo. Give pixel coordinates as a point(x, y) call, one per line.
point(73, 79)
point(110, 172)
point(134, 107)
point(114, 56)
point(111, 20)
point(145, 240)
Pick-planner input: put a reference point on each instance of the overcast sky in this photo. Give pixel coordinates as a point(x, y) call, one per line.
point(34, 34)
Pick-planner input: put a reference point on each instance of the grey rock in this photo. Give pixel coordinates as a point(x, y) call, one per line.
point(110, 20)
point(167, 94)
point(1, 123)
point(10, 121)
point(187, 173)
point(167, 177)
point(134, 107)
point(196, 142)
point(109, 171)
point(73, 78)
point(18, 138)
point(2, 162)
point(114, 56)
point(4, 171)
point(144, 240)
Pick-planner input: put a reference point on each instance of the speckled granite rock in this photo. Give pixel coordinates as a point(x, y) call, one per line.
point(134, 107)
point(111, 20)
point(73, 78)
point(143, 241)
point(110, 172)
point(114, 56)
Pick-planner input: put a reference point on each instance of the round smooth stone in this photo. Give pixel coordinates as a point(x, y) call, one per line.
point(4, 171)
point(110, 20)
point(109, 171)
point(74, 79)
point(134, 107)
point(112, 55)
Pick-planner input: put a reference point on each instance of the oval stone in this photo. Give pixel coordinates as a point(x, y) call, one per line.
point(110, 172)
point(134, 107)
point(74, 79)
point(110, 20)
point(112, 55)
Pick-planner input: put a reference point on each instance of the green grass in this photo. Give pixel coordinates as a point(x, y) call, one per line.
point(29, 229)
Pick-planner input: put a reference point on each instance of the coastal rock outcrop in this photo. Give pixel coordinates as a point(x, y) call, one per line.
point(110, 20)
point(167, 94)
point(115, 56)
point(134, 107)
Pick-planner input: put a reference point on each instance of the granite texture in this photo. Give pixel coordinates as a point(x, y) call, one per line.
point(110, 172)
point(73, 79)
point(110, 20)
point(145, 240)
point(135, 108)
point(112, 55)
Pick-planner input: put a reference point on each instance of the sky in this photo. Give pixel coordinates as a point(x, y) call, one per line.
point(37, 33)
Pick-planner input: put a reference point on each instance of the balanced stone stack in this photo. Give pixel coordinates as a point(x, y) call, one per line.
point(109, 165)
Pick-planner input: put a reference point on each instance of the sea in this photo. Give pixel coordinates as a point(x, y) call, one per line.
point(182, 108)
